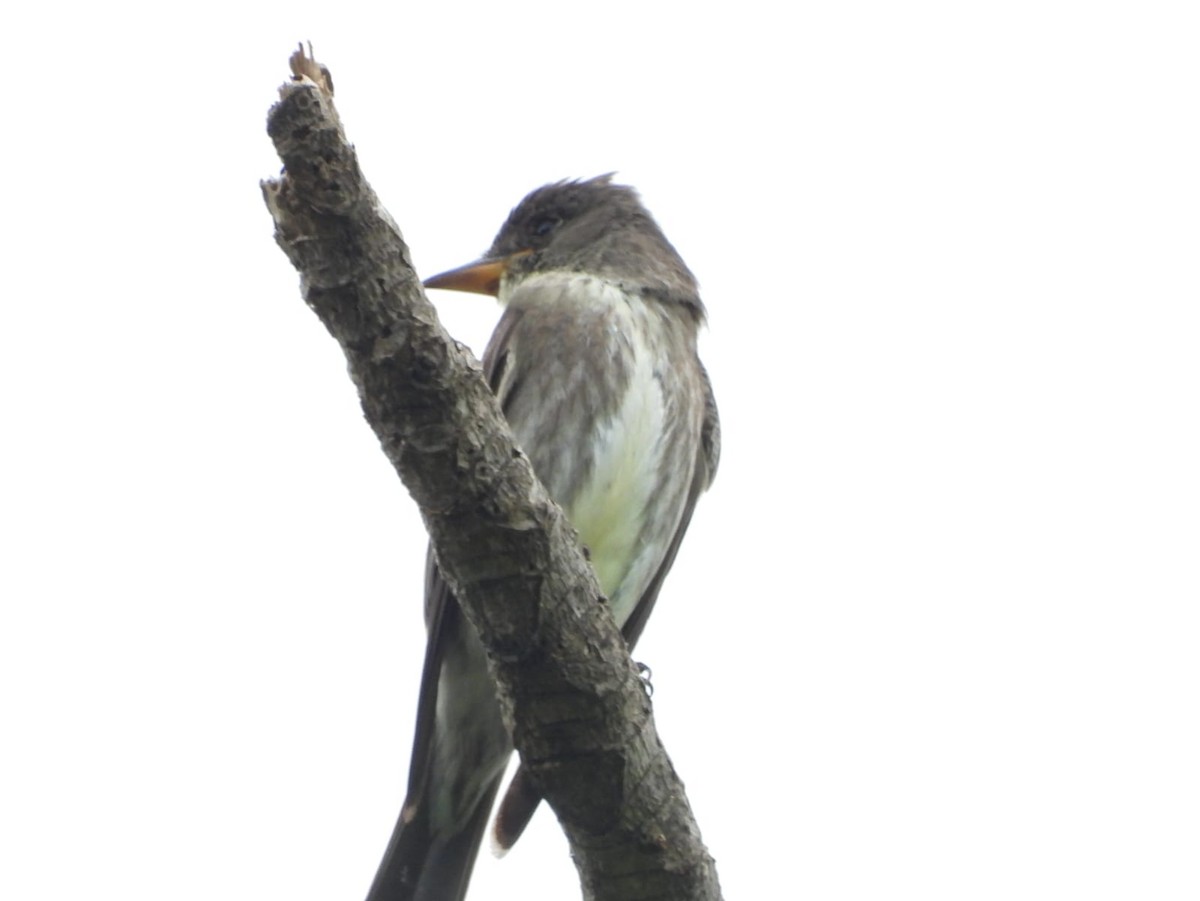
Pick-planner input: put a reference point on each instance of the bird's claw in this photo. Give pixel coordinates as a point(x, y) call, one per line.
point(645, 674)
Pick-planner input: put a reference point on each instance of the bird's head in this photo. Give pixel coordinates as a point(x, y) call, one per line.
point(592, 226)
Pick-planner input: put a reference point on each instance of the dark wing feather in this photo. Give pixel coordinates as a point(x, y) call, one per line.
point(442, 616)
point(706, 470)
point(419, 865)
point(442, 613)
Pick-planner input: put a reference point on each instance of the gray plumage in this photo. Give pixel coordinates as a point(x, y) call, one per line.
point(594, 364)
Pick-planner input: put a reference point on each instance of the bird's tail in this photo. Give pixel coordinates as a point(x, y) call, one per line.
point(516, 810)
point(421, 865)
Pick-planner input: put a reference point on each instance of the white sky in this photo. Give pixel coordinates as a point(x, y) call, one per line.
point(933, 634)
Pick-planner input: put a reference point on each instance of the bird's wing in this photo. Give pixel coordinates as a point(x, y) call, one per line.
point(441, 620)
point(705, 472)
point(442, 613)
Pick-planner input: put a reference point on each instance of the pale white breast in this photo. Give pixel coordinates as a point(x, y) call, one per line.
point(628, 449)
point(610, 513)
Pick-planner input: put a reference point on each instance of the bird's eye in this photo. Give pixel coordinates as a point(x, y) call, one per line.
point(543, 227)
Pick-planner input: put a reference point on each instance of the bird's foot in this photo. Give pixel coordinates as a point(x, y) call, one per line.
point(645, 674)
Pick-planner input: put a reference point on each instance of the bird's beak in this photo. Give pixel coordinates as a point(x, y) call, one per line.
point(482, 276)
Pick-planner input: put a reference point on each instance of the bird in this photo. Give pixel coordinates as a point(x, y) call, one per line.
point(594, 363)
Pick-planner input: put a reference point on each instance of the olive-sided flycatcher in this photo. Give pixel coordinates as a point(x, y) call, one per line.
point(594, 364)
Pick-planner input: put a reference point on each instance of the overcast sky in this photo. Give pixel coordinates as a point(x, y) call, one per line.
point(934, 630)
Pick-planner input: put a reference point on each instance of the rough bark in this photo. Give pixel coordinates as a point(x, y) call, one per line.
point(572, 698)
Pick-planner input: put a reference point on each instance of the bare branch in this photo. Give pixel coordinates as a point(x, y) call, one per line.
point(573, 700)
